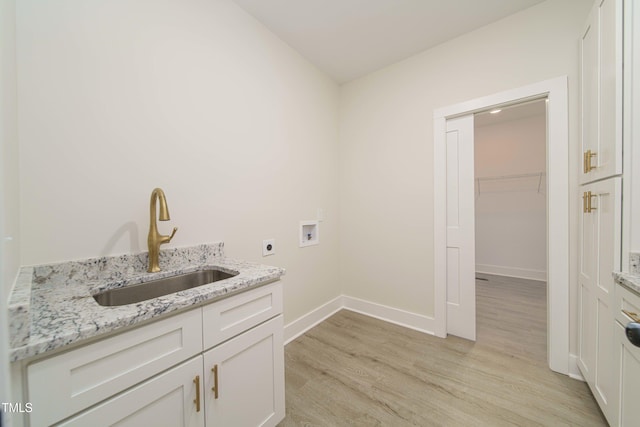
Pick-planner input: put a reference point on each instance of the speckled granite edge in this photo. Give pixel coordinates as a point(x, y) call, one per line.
point(18, 306)
point(52, 306)
point(630, 281)
point(634, 263)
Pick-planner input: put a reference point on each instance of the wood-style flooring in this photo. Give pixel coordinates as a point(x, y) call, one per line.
point(356, 370)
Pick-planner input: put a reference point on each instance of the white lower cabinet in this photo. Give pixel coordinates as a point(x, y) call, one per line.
point(217, 365)
point(627, 358)
point(245, 378)
point(240, 384)
point(629, 379)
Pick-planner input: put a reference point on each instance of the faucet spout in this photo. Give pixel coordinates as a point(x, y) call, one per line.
point(156, 239)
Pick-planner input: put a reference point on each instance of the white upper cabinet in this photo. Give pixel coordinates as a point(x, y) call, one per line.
point(601, 69)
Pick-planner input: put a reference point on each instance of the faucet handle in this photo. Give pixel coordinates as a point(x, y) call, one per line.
point(172, 234)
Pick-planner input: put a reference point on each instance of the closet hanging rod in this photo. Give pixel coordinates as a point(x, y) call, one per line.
point(538, 175)
point(503, 177)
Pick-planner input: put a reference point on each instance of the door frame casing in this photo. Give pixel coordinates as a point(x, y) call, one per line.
point(555, 90)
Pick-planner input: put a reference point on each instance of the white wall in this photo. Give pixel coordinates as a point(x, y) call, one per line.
point(9, 146)
point(193, 96)
point(9, 254)
point(386, 144)
point(511, 215)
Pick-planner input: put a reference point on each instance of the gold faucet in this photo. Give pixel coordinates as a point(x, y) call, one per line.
point(155, 239)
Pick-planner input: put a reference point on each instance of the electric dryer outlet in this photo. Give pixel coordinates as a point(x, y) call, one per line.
point(268, 247)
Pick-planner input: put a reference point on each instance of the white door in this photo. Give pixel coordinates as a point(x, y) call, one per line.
point(245, 378)
point(599, 256)
point(461, 285)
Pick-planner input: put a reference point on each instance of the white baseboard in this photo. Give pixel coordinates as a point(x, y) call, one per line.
point(574, 372)
point(389, 314)
point(404, 318)
point(521, 273)
point(302, 324)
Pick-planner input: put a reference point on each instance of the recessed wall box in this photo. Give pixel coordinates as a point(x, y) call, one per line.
point(309, 233)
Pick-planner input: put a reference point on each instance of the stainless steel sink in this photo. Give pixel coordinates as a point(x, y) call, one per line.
point(157, 288)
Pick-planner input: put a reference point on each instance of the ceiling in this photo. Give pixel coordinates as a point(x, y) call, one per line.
point(350, 38)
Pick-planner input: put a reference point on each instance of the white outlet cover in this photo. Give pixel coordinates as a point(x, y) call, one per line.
point(268, 247)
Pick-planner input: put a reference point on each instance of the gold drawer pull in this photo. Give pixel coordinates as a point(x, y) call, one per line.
point(589, 207)
point(586, 202)
point(196, 381)
point(587, 161)
point(633, 316)
point(215, 381)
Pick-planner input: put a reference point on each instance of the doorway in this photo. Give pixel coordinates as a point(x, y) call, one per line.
point(510, 175)
point(557, 231)
point(510, 229)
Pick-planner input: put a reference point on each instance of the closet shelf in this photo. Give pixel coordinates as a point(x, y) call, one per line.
point(509, 183)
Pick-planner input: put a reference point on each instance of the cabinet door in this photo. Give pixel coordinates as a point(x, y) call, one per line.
point(245, 378)
point(166, 400)
point(599, 257)
point(601, 69)
point(629, 379)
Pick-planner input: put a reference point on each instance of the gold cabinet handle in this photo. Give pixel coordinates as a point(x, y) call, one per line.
point(586, 161)
point(215, 381)
point(589, 207)
point(586, 202)
point(633, 316)
point(196, 381)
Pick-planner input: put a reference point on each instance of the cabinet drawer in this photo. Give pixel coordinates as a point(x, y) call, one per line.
point(66, 384)
point(234, 315)
point(625, 300)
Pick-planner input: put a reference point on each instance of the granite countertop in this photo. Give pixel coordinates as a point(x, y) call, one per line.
point(52, 306)
point(629, 280)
